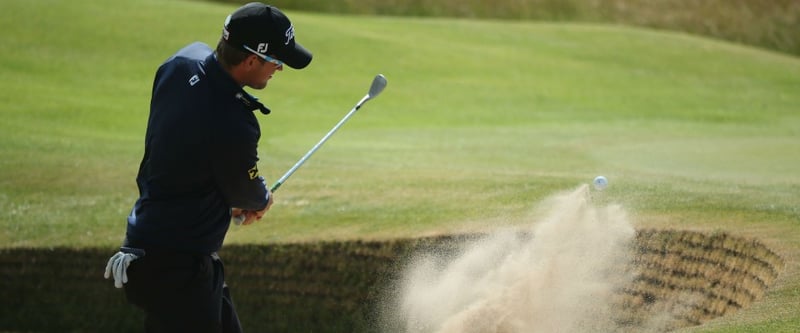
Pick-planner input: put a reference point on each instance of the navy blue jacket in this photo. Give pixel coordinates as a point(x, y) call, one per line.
point(200, 156)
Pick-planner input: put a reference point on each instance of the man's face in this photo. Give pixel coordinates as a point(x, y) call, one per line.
point(260, 72)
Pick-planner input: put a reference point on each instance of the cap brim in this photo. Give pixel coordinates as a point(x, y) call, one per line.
point(295, 56)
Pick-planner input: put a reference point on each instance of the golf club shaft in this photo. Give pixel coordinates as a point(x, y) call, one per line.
point(319, 144)
point(378, 84)
point(238, 220)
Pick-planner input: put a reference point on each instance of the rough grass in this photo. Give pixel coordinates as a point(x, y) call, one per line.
point(771, 24)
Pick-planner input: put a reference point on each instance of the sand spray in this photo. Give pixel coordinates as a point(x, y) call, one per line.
point(559, 275)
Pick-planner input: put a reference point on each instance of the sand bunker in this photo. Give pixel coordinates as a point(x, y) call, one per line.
point(582, 268)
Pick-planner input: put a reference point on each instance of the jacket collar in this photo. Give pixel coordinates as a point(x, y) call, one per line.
point(229, 87)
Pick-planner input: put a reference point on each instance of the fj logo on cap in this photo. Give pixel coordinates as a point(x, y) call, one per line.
point(262, 48)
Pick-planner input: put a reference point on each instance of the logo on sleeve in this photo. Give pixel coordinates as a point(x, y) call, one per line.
point(253, 172)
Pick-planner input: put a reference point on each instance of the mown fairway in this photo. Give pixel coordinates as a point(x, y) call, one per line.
point(480, 121)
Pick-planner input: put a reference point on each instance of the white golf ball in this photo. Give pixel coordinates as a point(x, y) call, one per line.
point(600, 183)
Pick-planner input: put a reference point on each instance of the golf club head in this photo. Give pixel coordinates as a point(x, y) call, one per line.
point(378, 83)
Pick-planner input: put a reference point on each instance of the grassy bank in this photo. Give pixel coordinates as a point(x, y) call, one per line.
point(480, 121)
point(771, 24)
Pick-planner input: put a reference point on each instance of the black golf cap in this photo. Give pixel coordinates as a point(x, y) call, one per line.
point(265, 30)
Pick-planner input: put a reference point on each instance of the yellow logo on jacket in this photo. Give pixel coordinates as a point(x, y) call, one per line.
point(253, 172)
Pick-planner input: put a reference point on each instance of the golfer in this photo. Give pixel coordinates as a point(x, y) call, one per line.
point(199, 170)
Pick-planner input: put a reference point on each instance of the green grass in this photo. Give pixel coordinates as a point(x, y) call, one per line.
point(480, 121)
point(773, 24)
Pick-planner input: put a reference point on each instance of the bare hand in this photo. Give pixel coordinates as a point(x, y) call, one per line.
point(251, 216)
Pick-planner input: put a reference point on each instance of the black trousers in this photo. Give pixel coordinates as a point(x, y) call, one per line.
point(181, 293)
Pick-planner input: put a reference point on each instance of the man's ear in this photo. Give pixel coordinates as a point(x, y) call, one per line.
point(252, 60)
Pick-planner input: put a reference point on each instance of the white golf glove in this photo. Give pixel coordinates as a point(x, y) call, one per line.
point(238, 215)
point(118, 267)
point(238, 219)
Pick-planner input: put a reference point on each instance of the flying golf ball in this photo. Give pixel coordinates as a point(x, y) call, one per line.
point(600, 183)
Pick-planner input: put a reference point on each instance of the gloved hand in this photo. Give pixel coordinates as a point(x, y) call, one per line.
point(244, 217)
point(118, 265)
point(238, 216)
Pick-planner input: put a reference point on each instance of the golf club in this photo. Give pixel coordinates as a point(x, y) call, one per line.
point(378, 84)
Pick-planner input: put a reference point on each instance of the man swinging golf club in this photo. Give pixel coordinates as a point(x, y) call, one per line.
point(200, 162)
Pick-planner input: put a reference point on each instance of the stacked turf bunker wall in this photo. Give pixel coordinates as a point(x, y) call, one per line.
point(684, 278)
point(681, 278)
